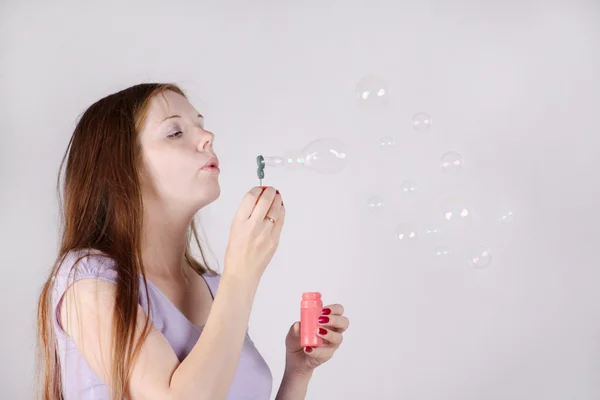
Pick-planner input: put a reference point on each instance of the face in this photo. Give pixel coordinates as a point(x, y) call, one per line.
point(179, 168)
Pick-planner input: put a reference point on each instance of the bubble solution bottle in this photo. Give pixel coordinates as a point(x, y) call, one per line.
point(310, 311)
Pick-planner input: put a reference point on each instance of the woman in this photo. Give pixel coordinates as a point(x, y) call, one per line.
point(127, 312)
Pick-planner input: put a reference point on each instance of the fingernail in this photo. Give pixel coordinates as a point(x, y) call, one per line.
point(326, 311)
point(308, 349)
point(323, 320)
point(322, 331)
point(276, 191)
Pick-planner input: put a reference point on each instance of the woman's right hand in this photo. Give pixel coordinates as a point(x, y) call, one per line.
point(254, 237)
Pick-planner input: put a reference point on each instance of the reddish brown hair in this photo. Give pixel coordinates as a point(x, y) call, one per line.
point(102, 209)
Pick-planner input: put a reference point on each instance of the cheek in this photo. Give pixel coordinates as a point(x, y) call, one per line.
point(170, 171)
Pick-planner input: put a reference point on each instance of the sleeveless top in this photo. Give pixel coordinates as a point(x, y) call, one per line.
point(252, 381)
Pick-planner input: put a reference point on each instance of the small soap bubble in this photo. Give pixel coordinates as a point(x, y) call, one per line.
point(442, 251)
point(456, 211)
point(408, 187)
point(375, 204)
point(480, 257)
point(430, 231)
point(421, 121)
point(406, 232)
point(451, 162)
point(386, 142)
point(507, 217)
point(373, 92)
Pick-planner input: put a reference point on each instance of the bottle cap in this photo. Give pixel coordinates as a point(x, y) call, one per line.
point(311, 296)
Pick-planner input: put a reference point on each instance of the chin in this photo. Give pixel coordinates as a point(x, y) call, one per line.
point(209, 194)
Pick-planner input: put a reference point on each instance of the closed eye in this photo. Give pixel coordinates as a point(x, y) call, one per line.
point(175, 135)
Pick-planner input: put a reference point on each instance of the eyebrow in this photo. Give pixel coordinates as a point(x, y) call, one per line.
point(179, 116)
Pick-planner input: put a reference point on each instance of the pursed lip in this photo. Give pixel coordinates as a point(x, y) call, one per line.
point(212, 162)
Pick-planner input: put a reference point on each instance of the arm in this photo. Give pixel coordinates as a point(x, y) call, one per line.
point(208, 370)
point(206, 373)
point(293, 386)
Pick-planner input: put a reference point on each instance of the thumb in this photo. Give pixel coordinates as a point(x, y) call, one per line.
point(295, 329)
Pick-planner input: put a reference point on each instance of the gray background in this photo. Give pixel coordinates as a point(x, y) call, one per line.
point(512, 86)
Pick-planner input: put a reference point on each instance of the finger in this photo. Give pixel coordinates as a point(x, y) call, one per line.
point(330, 337)
point(263, 204)
point(338, 323)
point(333, 309)
point(248, 202)
point(275, 208)
point(279, 222)
point(295, 330)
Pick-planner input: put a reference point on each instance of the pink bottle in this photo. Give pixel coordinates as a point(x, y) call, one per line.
point(310, 311)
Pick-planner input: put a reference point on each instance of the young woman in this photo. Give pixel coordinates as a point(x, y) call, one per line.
point(127, 312)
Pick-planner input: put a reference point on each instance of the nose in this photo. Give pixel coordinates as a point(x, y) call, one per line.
point(205, 141)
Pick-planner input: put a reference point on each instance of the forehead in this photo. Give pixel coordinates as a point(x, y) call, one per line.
point(165, 104)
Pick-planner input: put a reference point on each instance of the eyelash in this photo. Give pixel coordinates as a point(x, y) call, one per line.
point(175, 135)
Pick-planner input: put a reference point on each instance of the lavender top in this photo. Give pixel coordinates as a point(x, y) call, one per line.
point(252, 380)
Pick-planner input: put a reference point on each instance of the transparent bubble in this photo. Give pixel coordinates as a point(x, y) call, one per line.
point(327, 156)
point(421, 121)
point(430, 231)
point(456, 211)
point(373, 92)
point(408, 187)
point(480, 257)
point(375, 204)
point(386, 142)
point(442, 251)
point(451, 162)
point(294, 160)
point(507, 217)
point(406, 232)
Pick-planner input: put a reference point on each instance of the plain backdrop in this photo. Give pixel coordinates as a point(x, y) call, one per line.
point(513, 86)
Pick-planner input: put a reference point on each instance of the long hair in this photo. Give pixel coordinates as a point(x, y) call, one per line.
point(102, 209)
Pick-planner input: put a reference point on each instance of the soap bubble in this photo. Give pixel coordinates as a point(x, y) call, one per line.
point(480, 257)
point(373, 92)
point(327, 156)
point(456, 211)
point(386, 142)
point(273, 161)
point(507, 217)
point(430, 231)
point(375, 204)
point(421, 121)
point(406, 232)
point(442, 251)
point(408, 187)
point(451, 162)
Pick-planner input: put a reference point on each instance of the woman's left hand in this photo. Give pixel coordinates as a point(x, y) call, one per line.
point(332, 325)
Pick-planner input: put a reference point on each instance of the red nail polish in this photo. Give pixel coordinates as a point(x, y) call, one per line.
point(276, 191)
point(326, 311)
point(308, 349)
point(323, 320)
point(322, 331)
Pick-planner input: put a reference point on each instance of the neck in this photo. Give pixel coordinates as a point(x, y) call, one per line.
point(164, 240)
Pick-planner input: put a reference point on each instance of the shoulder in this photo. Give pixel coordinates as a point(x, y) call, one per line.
point(85, 264)
point(88, 270)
